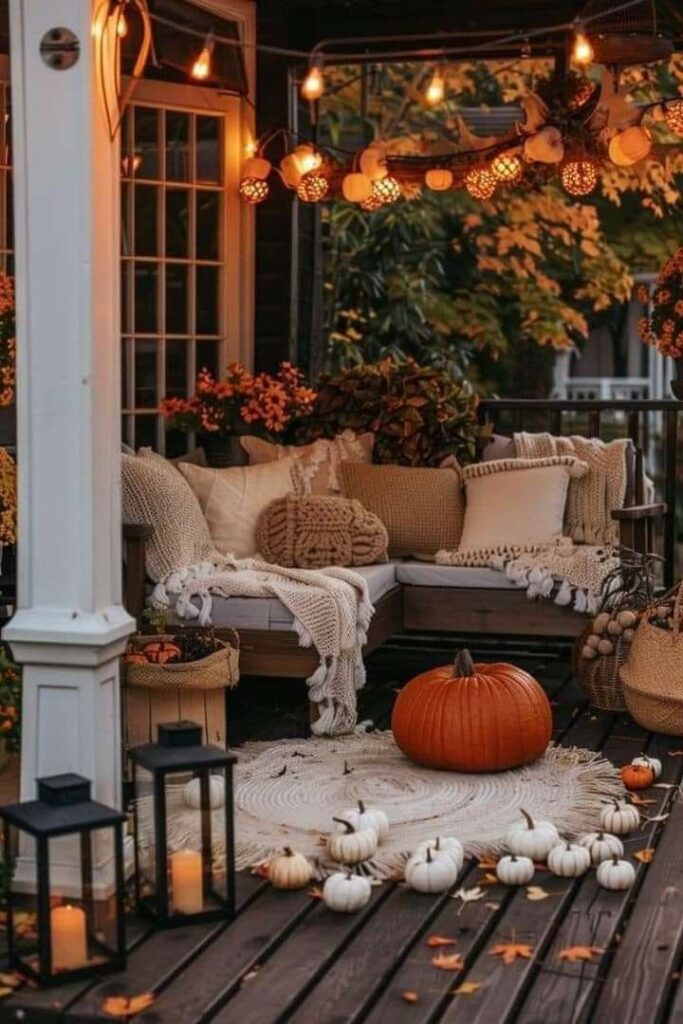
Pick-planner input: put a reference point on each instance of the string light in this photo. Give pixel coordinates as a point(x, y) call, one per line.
point(579, 176)
point(673, 116)
point(582, 48)
point(313, 85)
point(507, 167)
point(436, 90)
point(121, 25)
point(253, 190)
point(480, 183)
point(386, 190)
point(312, 187)
point(201, 69)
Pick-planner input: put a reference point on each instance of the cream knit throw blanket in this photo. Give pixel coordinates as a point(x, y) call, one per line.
point(331, 609)
point(593, 498)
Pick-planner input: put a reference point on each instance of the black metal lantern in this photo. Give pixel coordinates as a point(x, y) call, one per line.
point(184, 833)
point(61, 924)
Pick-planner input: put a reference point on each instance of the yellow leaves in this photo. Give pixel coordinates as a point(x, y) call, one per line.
point(409, 997)
point(644, 856)
point(435, 941)
point(125, 1006)
point(448, 961)
point(467, 988)
point(509, 952)
point(640, 801)
point(535, 892)
point(574, 954)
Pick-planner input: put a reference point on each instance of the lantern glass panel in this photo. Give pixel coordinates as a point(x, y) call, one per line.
point(24, 902)
point(145, 835)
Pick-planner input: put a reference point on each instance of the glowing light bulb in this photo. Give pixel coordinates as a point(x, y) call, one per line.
point(436, 90)
point(201, 69)
point(121, 26)
point(582, 50)
point(313, 85)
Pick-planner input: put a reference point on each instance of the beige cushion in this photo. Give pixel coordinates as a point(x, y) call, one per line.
point(315, 531)
point(456, 577)
point(233, 499)
point(153, 492)
point(317, 464)
point(421, 508)
point(516, 502)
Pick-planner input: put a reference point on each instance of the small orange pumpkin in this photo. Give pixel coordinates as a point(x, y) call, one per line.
point(134, 658)
point(472, 718)
point(158, 652)
point(636, 776)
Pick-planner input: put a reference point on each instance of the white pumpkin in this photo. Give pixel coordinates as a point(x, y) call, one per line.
point(532, 839)
point(515, 870)
point(601, 846)
point(367, 817)
point(448, 845)
point(352, 846)
point(545, 146)
point(645, 761)
point(192, 794)
point(569, 860)
point(289, 870)
point(619, 818)
point(430, 871)
point(346, 893)
point(616, 874)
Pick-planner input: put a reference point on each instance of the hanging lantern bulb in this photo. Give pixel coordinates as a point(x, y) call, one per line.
point(579, 176)
point(313, 85)
point(507, 168)
point(673, 116)
point(253, 190)
point(582, 48)
point(356, 187)
point(436, 90)
point(630, 146)
point(480, 183)
point(308, 158)
point(372, 203)
point(312, 187)
point(256, 167)
point(201, 69)
point(121, 24)
point(439, 179)
point(373, 161)
point(387, 190)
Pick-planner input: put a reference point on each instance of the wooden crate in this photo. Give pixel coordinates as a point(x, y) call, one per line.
point(144, 709)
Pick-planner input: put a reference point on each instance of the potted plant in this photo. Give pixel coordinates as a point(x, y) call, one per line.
point(220, 411)
point(10, 705)
point(663, 328)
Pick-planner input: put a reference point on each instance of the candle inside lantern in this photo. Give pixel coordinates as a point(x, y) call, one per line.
point(68, 937)
point(187, 893)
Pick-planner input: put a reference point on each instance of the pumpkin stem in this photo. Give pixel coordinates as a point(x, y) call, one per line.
point(437, 843)
point(361, 807)
point(429, 855)
point(463, 665)
point(527, 817)
point(288, 851)
point(615, 859)
point(347, 824)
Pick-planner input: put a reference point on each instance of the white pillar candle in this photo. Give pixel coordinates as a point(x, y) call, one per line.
point(187, 891)
point(68, 937)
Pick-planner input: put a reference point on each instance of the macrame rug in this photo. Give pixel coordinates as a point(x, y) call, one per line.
point(287, 792)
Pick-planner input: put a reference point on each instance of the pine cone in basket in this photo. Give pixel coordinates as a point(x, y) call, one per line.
point(198, 643)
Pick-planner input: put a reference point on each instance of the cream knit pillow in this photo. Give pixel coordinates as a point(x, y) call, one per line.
point(233, 499)
point(316, 470)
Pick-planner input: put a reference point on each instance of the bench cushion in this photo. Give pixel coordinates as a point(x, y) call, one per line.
point(426, 574)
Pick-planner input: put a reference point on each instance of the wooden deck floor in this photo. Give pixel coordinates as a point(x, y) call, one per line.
point(287, 958)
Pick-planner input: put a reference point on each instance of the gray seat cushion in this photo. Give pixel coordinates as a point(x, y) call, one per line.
point(426, 574)
point(269, 613)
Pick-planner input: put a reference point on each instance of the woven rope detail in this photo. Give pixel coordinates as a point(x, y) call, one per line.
point(481, 469)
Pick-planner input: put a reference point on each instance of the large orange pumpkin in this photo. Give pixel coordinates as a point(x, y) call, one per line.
point(472, 718)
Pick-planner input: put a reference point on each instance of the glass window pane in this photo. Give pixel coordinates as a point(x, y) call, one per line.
point(125, 369)
point(177, 221)
point(176, 443)
point(146, 201)
point(177, 146)
point(126, 247)
point(145, 431)
point(208, 149)
point(176, 369)
point(146, 375)
point(146, 275)
point(125, 305)
point(208, 212)
point(176, 298)
point(207, 356)
point(146, 145)
point(207, 300)
point(8, 241)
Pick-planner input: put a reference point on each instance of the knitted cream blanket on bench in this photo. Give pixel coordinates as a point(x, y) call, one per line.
point(331, 609)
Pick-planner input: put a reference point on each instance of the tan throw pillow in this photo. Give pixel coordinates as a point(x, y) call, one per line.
point(316, 531)
point(233, 499)
point(317, 464)
point(421, 508)
point(153, 492)
point(515, 503)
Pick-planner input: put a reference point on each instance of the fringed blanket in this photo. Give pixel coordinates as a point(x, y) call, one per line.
point(331, 609)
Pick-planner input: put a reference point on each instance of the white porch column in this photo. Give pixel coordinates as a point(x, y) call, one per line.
point(70, 627)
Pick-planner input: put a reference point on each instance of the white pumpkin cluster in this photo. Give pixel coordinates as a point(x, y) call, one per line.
point(435, 864)
point(531, 842)
point(360, 830)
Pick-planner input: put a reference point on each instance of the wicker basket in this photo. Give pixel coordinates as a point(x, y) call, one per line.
point(653, 674)
point(599, 678)
point(193, 691)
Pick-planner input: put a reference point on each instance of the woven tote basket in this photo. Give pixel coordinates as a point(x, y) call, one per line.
point(653, 674)
point(599, 679)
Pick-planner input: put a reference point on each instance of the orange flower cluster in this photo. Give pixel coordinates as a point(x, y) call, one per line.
point(241, 401)
point(8, 498)
point(7, 342)
point(664, 326)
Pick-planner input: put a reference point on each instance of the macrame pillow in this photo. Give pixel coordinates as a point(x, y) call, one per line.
point(421, 508)
point(316, 531)
point(316, 466)
point(155, 493)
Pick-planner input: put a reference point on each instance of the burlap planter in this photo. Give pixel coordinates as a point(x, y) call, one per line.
point(193, 691)
point(653, 675)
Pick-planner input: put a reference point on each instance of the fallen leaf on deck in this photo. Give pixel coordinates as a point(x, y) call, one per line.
point(572, 954)
point(250, 975)
point(260, 869)
point(492, 906)
point(409, 997)
point(467, 988)
point(663, 785)
point(448, 961)
point(468, 895)
point(509, 951)
point(434, 941)
point(644, 856)
point(315, 893)
point(656, 817)
point(122, 1006)
point(487, 864)
point(640, 801)
point(488, 879)
point(535, 892)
